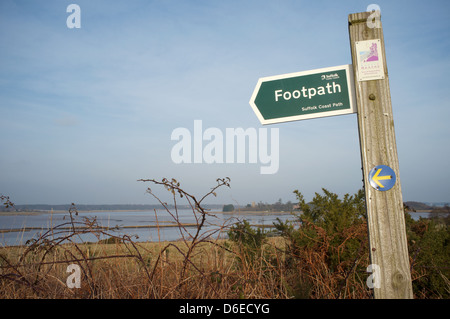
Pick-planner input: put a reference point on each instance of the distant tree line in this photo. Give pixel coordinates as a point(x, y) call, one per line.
point(278, 206)
point(437, 207)
point(228, 208)
point(275, 207)
point(80, 207)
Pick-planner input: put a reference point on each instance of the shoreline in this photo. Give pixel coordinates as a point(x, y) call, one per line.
point(255, 212)
point(420, 211)
point(140, 210)
point(97, 228)
point(78, 211)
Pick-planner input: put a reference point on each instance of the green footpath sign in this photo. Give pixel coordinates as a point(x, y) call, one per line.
point(304, 95)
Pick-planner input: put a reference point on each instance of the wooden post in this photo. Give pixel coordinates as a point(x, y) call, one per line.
point(385, 214)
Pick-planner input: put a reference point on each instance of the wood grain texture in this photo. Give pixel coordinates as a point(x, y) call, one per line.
point(386, 221)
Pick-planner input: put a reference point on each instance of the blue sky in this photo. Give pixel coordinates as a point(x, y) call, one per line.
point(87, 112)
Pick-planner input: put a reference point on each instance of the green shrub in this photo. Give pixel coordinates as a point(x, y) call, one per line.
point(228, 208)
point(249, 240)
point(329, 246)
point(429, 250)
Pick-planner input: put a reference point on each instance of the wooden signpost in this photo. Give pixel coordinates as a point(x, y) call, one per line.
point(385, 214)
point(289, 97)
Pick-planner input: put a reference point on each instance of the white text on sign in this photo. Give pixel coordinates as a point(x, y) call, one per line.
point(308, 92)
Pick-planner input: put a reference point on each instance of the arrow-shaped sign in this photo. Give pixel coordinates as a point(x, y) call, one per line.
point(382, 182)
point(304, 95)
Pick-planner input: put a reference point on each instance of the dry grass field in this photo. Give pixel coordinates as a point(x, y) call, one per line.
point(315, 261)
point(215, 269)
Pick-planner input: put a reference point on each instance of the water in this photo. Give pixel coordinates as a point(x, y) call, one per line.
point(133, 218)
point(416, 216)
point(128, 218)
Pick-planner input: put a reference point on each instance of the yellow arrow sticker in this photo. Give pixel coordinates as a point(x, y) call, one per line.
point(376, 178)
point(382, 182)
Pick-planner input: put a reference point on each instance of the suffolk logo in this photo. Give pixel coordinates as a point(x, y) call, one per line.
point(332, 76)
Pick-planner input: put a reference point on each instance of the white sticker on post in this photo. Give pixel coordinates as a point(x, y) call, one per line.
point(370, 60)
